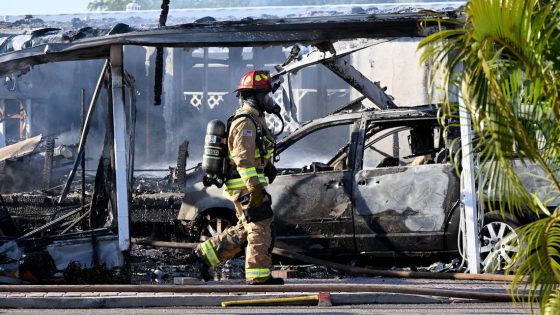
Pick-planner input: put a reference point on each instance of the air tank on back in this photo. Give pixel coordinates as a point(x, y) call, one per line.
point(215, 151)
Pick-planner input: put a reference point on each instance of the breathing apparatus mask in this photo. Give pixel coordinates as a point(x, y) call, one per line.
point(261, 102)
point(268, 105)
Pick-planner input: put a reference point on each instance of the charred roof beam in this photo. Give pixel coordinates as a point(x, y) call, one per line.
point(330, 55)
point(371, 90)
point(242, 33)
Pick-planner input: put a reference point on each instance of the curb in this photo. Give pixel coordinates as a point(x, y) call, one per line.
point(208, 300)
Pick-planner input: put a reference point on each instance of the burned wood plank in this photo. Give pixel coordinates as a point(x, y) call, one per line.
point(47, 168)
point(182, 156)
point(19, 149)
point(357, 80)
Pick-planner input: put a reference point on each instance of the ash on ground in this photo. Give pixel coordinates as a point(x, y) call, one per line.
point(162, 265)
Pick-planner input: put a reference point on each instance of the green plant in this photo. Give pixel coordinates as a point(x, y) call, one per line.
point(504, 58)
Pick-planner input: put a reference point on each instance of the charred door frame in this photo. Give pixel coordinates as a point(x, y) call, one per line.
point(343, 178)
point(393, 118)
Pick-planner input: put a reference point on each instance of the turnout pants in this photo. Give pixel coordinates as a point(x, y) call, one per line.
point(256, 236)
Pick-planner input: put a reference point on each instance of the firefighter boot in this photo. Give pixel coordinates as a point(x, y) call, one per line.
point(199, 261)
point(267, 281)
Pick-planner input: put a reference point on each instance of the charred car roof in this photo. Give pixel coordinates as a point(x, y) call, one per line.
point(415, 113)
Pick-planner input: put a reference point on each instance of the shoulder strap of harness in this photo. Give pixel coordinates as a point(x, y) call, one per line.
point(260, 134)
point(251, 117)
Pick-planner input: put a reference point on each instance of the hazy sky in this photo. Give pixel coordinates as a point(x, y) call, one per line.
point(12, 7)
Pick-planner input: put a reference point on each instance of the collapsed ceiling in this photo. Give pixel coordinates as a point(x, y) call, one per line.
point(19, 52)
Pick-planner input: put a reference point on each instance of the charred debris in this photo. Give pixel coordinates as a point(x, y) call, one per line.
point(88, 161)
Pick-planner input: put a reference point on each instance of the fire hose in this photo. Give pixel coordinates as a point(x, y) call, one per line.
point(360, 270)
point(311, 288)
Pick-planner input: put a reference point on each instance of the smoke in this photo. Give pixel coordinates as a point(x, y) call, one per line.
point(197, 88)
point(51, 98)
point(198, 85)
point(70, 137)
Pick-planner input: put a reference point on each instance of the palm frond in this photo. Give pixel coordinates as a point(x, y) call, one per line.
point(540, 258)
point(553, 304)
point(503, 56)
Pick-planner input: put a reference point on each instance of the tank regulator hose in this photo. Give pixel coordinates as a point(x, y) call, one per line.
point(282, 122)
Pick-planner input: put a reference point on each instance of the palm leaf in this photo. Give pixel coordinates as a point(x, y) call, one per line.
point(553, 304)
point(503, 55)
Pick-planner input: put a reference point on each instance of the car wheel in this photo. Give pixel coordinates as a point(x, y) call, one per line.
point(213, 222)
point(499, 242)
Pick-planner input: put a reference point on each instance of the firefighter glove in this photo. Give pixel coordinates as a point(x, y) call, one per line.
point(257, 196)
point(258, 207)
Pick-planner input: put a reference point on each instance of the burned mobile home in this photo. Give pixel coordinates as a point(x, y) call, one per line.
point(93, 90)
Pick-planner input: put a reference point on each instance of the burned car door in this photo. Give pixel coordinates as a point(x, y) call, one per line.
point(311, 198)
point(405, 192)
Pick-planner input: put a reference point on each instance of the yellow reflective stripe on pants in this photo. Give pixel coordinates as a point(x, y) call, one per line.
point(238, 183)
point(235, 183)
point(247, 173)
point(253, 273)
point(210, 254)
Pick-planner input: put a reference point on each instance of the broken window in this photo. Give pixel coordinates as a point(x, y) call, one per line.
point(315, 150)
point(403, 146)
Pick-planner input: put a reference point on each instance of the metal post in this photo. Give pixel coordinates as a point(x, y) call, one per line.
point(2, 119)
point(322, 97)
point(83, 160)
point(469, 190)
point(148, 109)
point(119, 121)
point(236, 67)
point(27, 118)
point(204, 101)
point(172, 97)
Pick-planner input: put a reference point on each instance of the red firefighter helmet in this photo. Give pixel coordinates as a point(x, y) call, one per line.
point(255, 80)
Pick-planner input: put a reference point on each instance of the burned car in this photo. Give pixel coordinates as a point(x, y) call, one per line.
point(386, 188)
point(370, 178)
point(377, 183)
point(359, 199)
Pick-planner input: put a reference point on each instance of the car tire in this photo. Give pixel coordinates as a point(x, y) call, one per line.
point(498, 242)
point(212, 222)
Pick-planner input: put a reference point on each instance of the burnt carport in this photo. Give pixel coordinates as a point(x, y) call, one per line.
point(310, 30)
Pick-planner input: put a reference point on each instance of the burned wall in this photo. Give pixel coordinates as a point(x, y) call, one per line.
point(47, 100)
point(49, 96)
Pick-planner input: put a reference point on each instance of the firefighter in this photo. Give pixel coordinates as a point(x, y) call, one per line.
point(250, 144)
